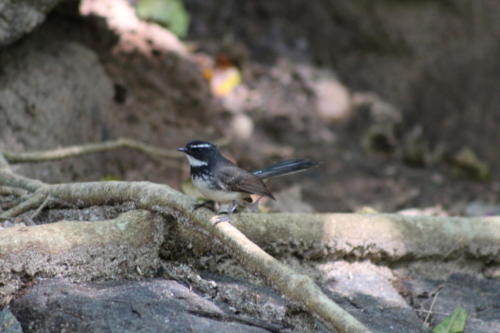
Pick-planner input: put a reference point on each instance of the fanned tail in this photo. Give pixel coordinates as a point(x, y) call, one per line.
point(285, 168)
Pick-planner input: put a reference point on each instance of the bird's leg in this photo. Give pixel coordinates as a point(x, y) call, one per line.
point(233, 207)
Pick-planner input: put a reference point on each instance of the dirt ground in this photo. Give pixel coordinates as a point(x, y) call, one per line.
point(280, 100)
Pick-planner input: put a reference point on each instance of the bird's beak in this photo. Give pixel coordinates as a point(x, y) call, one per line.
point(182, 149)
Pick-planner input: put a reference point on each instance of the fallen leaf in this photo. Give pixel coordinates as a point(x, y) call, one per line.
point(454, 323)
point(224, 80)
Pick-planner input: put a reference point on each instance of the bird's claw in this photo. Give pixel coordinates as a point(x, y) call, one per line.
point(222, 218)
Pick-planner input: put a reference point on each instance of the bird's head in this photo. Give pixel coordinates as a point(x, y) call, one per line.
point(199, 153)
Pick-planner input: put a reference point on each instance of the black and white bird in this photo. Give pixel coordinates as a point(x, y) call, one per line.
point(220, 180)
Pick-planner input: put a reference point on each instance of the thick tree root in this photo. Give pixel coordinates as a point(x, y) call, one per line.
point(163, 199)
point(80, 250)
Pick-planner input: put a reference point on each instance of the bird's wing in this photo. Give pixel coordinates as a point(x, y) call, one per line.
point(233, 179)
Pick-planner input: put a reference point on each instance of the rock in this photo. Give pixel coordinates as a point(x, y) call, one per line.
point(9, 323)
point(161, 96)
point(21, 17)
point(333, 98)
point(479, 297)
point(368, 293)
point(249, 298)
point(242, 127)
point(121, 17)
point(156, 305)
point(52, 93)
point(479, 208)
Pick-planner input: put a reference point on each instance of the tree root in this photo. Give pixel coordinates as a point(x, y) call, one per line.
point(80, 250)
point(156, 197)
point(388, 238)
point(162, 198)
point(6, 190)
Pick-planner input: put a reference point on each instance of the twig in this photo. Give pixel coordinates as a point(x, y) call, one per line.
point(433, 312)
point(436, 294)
point(34, 201)
point(28, 220)
point(3, 162)
point(41, 207)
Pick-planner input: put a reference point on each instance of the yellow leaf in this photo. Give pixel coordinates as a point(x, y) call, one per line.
point(224, 80)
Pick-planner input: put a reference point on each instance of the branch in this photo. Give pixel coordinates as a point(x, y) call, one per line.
point(162, 198)
point(78, 150)
point(66, 152)
point(7, 190)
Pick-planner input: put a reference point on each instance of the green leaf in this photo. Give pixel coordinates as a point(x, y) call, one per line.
point(169, 13)
point(454, 323)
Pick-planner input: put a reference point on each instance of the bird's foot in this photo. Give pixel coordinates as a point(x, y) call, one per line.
point(222, 218)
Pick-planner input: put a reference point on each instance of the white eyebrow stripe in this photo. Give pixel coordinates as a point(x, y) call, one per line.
point(195, 162)
point(202, 145)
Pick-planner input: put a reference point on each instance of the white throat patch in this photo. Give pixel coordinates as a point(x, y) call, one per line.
point(195, 162)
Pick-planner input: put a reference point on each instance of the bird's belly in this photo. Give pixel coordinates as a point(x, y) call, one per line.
point(213, 194)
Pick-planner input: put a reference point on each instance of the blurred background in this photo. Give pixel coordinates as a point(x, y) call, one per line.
point(399, 100)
